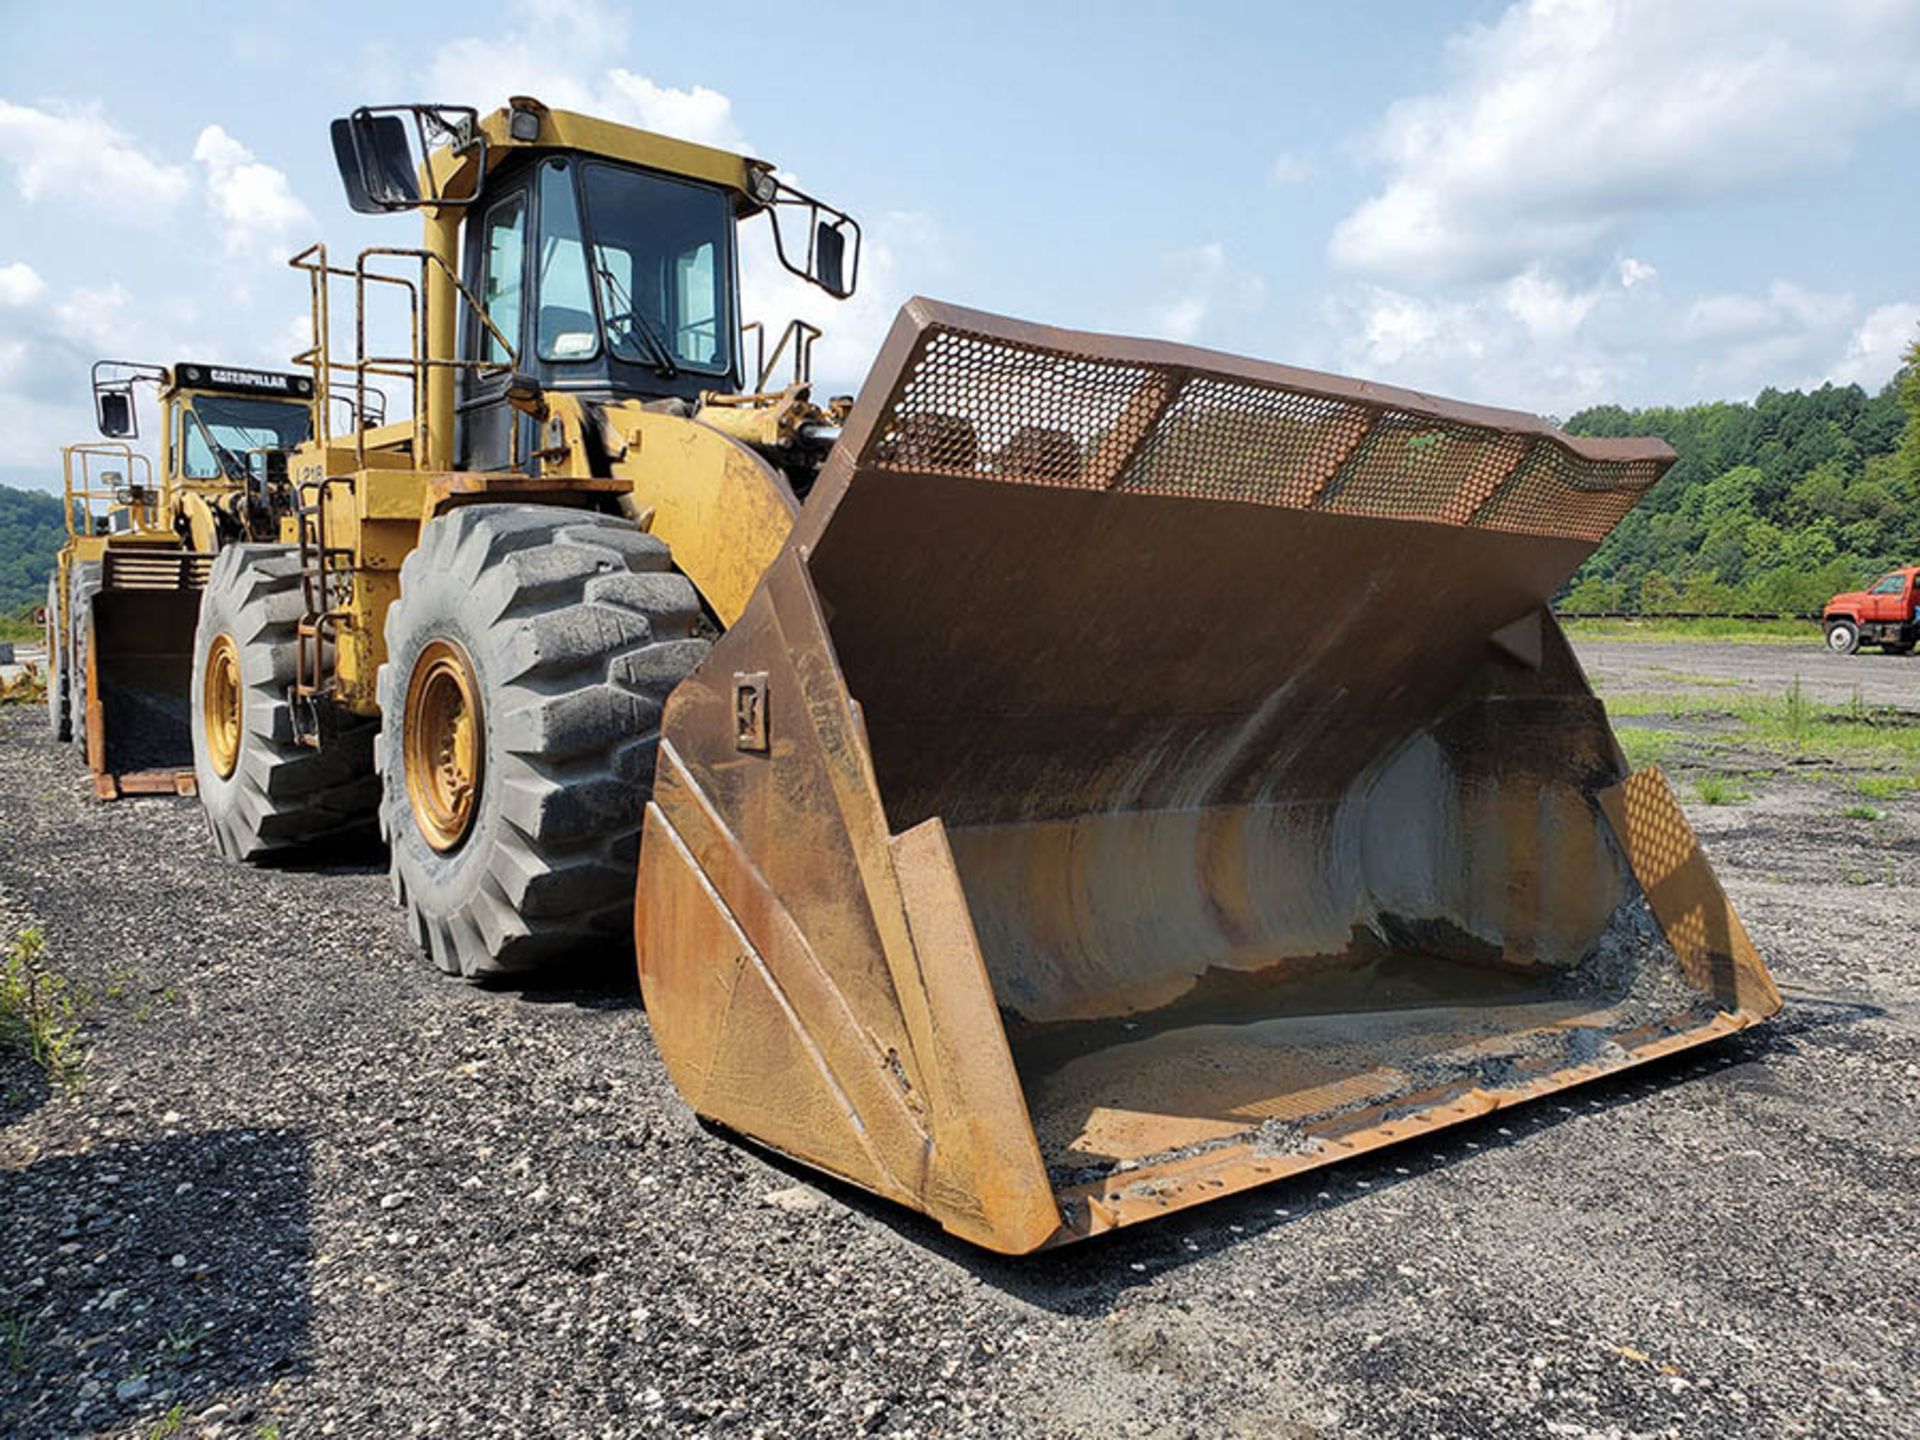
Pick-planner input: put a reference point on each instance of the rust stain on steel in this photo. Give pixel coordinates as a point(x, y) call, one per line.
point(1164, 776)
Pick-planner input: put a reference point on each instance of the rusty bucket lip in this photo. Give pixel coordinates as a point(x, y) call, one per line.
point(1152, 1191)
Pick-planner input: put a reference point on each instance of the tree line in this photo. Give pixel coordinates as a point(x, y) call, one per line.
point(1775, 504)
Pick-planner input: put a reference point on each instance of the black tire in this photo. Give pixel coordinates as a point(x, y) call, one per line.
point(1843, 637)
point(1899, 647)
point(282, 798)
point(576, 629)
point(59, 703)
point(84, 580)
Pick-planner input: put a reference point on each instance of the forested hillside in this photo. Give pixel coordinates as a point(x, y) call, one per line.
point(30, 534)
point(1775, 504)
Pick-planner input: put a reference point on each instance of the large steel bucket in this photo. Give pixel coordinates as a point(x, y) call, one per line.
point(1147, 773)
point(139, 740)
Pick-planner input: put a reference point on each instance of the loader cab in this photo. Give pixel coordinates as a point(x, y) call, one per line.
point(611, 281)
point(593, 258)
point(223, 428)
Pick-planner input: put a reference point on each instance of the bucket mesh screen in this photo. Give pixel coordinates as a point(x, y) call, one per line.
point(992, 407)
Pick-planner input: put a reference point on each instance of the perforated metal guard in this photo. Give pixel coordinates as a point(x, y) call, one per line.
point(988, 398)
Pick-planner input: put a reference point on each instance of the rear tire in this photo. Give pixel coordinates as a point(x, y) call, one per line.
point(59, 711)
point(83, 583)
point(554, 637)
point(263, 793)
point(1843, 637)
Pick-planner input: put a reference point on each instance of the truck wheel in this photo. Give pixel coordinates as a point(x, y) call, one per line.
point(528, 658)
point(1898, 647)
point(264, 794)
point(59, 715)
point(83, 583)
point(1843, 637)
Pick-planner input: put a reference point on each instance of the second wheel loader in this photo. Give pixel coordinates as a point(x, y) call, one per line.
point(125, 593)
point(1080, 778)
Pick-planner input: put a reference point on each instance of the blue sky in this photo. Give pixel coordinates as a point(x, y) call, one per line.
point(1545, 204)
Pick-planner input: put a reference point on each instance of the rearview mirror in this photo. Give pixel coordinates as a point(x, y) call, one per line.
point(376, 162)
point(832, 239)
point(115, 409)
point(829, 259)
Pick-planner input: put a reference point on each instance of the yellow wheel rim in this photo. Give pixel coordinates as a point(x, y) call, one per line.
point(444, 743)
point(220, 705)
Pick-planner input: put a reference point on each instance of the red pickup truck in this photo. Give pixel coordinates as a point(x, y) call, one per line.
point(1886, 613)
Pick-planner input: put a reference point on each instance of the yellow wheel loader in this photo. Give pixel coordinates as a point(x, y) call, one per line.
point(1083, 778)
point(125, 593)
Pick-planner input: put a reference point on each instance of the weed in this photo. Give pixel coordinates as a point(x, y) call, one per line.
point(1860, 812)
point(39, 1012)
point(168, 1424)
point(1720, 790)
point(14, 1332)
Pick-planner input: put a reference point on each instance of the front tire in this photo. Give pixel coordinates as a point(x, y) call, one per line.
point(265, 794)
point(83, 583)
point(1843, 637)
point(59, 711)
point(528, 659)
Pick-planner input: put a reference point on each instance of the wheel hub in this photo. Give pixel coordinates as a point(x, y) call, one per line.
point(444, 744)
point(221, 699)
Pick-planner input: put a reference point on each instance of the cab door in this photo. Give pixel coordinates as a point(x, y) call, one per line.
point(1888, 600)
point(498, 273)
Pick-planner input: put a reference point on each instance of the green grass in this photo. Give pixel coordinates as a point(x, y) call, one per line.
point(39, 1012)
point(1792, 722)
point(1721, 790)
point(1736, 632)
point(1648, 747)
point(15, 627)
point(1861, 812)
point(1886, 787)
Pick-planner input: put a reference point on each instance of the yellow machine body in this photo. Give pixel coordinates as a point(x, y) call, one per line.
point(1133, 774)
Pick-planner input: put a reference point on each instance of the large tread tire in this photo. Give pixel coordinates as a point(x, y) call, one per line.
point(59, 702)
point(283, 798)
point(84, 580)
point(577, 629)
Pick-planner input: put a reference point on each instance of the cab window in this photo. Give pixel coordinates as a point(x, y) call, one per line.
point(214, 427)
point(1889, 585)
point(662, 267)
point(567, 330)
point(506, 232)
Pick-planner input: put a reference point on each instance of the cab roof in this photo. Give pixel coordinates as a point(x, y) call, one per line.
point(451, 171)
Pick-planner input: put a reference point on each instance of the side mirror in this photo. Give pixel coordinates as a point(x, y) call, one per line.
point(829, 259)
point(115, 410)
point(376, 163)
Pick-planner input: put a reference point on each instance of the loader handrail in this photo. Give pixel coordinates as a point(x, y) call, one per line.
point(411, 367)
point(85, 490)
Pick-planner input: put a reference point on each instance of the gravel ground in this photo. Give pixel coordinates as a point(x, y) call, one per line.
point(309, 1187)
point(1667, 666)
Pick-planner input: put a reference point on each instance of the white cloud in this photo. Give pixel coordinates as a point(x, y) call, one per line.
point(75, 155)
point(540, 56)
point(20, 284)
point(254, 205)
point(1544, 345)
point(1205, 289)
point(1564, 120)
point(1879, 345)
